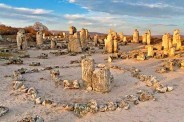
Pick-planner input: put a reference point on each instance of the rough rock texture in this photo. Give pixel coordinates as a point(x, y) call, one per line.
point(101, 81)
point(21, 40)
point(136, 36)
point(150, 51)
point(88, 67)
point(74, 44)
point(84, 35)
point(53, 44)
point(39, 38)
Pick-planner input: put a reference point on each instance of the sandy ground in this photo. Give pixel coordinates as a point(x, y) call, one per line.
point(168, 108)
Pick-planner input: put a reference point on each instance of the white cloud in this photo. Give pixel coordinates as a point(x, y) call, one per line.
point(72, 1)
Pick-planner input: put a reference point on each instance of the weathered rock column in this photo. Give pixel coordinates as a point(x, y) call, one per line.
point(88, 67)
point(136, 36)
point(109, 44)
point(53, 43)
point(74, 44)
point(96, 40)
point(115, 46)
point(101, 80)
point(172, 51)
point(21, 40)
point(150, 51)
point(149, 37)
point(83, 38)
point(39, 38)
point(125, 39)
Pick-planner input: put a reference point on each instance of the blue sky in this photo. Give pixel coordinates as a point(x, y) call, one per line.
point(160, 16)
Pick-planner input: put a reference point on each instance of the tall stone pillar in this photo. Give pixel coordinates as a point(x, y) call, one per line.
point(39, 38)
point(88, 67)
point(136, 36)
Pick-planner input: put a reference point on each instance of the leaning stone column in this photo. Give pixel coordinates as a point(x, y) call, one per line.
point(101, 80)
point(88, 67)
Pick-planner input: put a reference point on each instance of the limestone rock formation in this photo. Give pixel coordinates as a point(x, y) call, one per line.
point(83, 38)
point(150, 51)
point(111, 43)
point(21, 40)
point(39, 38)
point(136, 36)
point(88, 67)
point(74, 44)
point(101, 81)
point(53, 43)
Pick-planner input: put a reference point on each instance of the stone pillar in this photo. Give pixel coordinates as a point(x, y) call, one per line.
point(74, 44)
point(125, 39)
point(115, 46)
point(172, 51)
point(87, 34)
point(53, 43)
point(150, 51)
point(96, 40)
point(83, 38)
point(136, 36)
point(165, 41)
point(144, 38)
point(39, 38)
point(175, 36)
point(109, 44)
point(149, 37)
point(21, 40)
point(88, 67)
point(101, 80)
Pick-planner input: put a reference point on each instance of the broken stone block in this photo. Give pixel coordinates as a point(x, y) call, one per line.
point(35, 64)
point(14, 60)
point(47, 103)
point(93, 106)
point(111, 106)
point(123, 104)
point(17, 85)
point(150, 51)
point(43, 56)
point(103, 108)
point(101, 80)
point(38, 100)
point(145, 96)
point(32, 119)
point(88, 67)
point(69, 84)
point(81, 109)
point(3, 110)
point(54, 74)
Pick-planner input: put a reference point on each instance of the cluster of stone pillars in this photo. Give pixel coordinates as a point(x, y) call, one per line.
point(95, 79)
point(111, 43)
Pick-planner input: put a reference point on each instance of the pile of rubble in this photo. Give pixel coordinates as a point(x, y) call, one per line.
point(81, 109)
point(32, 119)
point(3, 110)
point(14, 60)
point(151, 81)
point(43, 56)
point(170, 65)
